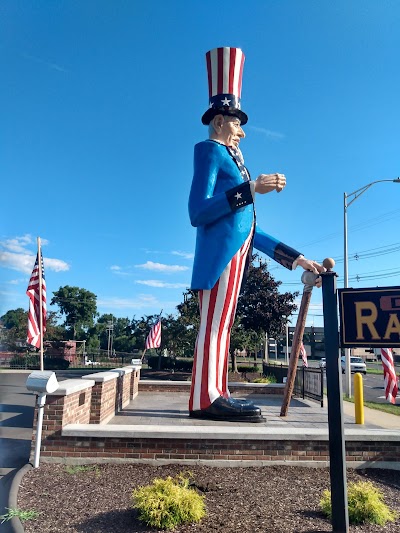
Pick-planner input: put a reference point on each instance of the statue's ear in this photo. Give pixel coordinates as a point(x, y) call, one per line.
point(218, 120)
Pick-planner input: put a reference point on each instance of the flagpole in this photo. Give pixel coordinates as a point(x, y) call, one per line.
point(40, 304)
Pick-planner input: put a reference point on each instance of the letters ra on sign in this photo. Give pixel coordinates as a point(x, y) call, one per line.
point(369, 317)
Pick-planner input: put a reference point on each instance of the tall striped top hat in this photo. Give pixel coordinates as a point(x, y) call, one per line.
point(225, 69)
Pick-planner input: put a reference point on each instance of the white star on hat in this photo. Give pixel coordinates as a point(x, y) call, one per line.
point(238, 195)
point(225, 101)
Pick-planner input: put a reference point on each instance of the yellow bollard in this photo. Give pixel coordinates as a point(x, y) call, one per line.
point(358, 398)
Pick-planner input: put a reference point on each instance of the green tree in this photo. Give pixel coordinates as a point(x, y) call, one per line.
point(54, 330)
point(261, 307)
point(15, 322)
point(174, 335)
point(15, 318)
point(139, 329)
point(79, 308)
point(189, 317)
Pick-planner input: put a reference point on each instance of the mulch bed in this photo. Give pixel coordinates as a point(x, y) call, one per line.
point(276, 499)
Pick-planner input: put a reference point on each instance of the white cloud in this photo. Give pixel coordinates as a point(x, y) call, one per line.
point(25, 262)
point(18, 244)
point(15, 255)
point(275, 135)
point(17, 281)
point(186, 255)
point(49, 64)
point(17, 261)
point(125, 303)
point(161, 284)
point(143, 301)
point(55, 264)
point(160, 267)
point(115, 267)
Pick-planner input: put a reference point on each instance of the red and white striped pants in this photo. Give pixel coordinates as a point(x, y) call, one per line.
point(217, 313)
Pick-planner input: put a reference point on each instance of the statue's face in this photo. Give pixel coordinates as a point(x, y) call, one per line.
point(229, 131)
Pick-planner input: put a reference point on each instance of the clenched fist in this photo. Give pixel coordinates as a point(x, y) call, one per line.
point(270, 182)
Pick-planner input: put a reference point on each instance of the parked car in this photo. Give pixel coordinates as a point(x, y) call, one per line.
point(356, 365)
point(92, 363)
point(322, 363)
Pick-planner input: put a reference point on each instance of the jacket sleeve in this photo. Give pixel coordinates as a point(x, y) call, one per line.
point(205, 207)
point(280, 252)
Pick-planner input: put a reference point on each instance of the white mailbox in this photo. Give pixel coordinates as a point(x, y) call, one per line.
point(42, 382)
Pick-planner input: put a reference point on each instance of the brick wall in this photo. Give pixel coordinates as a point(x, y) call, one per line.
point(87, 401)
point(103, 405)
point(123, 390)
point(60, 411)
point(189, 450)
point(134, 386)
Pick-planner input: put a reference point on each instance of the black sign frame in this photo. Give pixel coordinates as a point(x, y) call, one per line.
point(369, 317)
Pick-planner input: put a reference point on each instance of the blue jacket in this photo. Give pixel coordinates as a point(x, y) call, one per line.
point(221, 208)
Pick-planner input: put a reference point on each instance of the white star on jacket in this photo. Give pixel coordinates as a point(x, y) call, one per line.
point(238, 195)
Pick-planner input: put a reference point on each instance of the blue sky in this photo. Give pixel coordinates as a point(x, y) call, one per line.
point(101, 107)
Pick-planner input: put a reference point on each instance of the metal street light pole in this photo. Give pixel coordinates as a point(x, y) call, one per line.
point(353, 195)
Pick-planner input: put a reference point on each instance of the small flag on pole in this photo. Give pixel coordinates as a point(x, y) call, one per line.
point(303, 355)
point(36, 293)
point(389, 375)
point(154, 337)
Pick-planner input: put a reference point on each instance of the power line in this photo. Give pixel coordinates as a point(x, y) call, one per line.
point(357, 227)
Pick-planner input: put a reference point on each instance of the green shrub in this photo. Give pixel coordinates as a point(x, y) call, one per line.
point(23, 515)
point(265, 379)
point(80, 469)
point(167, 503)
point(245, 368)
point(365, 504)
point(30, 360)
point(55, 363)
point(170, 363)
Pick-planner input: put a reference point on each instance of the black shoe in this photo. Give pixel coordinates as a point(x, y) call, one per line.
point(242, 401)
point(229, 410)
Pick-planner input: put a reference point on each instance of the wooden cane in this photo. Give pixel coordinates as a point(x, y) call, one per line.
point(308, 278)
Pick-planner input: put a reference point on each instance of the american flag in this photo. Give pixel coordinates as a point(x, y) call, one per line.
point(33, 293)
point(389, 375)
point(154, 337)
point(303, 355)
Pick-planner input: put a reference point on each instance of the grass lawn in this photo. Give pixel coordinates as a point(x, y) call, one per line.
point(385, 407)
point(374, 371)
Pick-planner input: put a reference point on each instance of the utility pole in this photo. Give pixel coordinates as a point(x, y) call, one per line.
point(110, 331)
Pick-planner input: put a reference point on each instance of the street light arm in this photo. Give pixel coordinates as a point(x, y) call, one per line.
point(362, 190)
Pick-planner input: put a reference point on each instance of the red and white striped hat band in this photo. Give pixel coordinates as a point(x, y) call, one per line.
point(225, 71)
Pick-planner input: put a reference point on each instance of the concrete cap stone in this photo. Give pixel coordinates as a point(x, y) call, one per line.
point(215, 432)
point(69, 386)
point(100, 377)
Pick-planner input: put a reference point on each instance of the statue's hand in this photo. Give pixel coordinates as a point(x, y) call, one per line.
point(270, 182)
point(313, 266)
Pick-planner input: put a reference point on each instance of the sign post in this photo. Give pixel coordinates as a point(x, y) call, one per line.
point(337, 450)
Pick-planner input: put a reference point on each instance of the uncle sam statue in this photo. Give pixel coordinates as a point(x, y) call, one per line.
point(221, 207)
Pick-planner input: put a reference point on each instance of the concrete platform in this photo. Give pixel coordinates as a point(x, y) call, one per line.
point(171, 408)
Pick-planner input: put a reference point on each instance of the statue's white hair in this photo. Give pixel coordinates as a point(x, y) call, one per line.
point(211, 126)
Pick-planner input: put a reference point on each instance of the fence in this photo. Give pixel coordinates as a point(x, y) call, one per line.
point(91, 361)
point(309, 382)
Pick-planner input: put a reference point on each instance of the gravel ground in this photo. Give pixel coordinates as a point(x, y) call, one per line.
point(275, 499)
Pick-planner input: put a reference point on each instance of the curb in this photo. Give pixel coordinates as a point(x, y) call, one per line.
point(16, 524)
